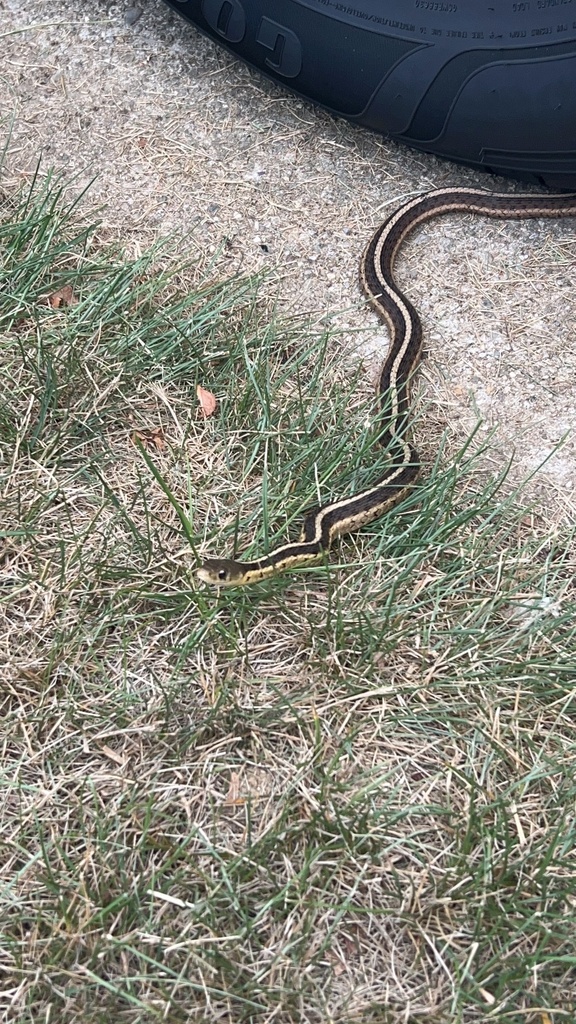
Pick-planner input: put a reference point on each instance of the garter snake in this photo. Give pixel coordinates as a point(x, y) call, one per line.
point(323, 524)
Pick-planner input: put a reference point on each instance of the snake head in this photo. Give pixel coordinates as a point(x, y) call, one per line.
point(221, 572)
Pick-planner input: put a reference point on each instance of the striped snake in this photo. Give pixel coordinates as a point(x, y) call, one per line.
point(322, 525)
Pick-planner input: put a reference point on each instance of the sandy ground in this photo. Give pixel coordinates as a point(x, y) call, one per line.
point(182, 137)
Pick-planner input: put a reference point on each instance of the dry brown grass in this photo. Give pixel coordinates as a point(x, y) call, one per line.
point(347, 795)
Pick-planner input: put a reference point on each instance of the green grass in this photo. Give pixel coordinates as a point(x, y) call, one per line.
point(345, 794)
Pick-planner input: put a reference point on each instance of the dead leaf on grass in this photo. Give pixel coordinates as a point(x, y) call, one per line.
point(206, 399)
point(63, 297)
point(153, 438)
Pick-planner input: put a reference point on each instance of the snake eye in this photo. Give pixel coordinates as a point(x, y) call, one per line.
point(222, 574)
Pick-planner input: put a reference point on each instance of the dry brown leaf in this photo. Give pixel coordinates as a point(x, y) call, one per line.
point(63, 297)
point(206, 399)
point(153, 438)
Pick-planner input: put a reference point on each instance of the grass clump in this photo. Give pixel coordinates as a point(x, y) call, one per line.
point(345, 794)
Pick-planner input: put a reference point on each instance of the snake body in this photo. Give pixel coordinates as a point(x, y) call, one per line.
point(324, 524)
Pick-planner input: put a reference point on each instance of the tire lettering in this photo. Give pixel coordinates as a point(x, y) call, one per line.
point(226, 17)
point(286, 48)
